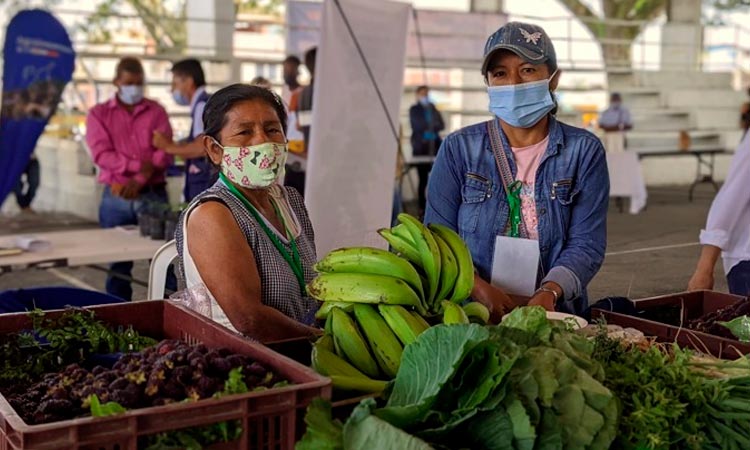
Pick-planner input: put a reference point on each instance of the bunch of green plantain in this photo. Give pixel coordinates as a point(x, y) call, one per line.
point(375, 302)
point(362, 344)
point(429, 265)
point(440, 257)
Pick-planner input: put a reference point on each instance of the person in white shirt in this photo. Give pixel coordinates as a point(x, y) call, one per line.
point(727, 232)
point(615, 121)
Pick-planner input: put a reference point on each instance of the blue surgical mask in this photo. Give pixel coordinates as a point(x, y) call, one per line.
point(130, 94)
point(424, 101)
point(180, 98)
point(521, 105)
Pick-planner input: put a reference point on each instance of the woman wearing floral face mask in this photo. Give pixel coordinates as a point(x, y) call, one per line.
point(532, 189)
point(247, 239)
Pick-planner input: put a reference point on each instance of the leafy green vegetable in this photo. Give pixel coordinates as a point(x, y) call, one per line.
point(366, 431)
point(235, 383)
point(663, 401)
point(426, 366)
point(323, 433)
point(70, 338)
point(740, 327)
point(532, 319)
point(491, 431)
point(102, 410)
point(524, 434)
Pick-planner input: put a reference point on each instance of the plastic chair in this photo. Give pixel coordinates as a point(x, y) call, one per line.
point(157, 277)
point(46, 298)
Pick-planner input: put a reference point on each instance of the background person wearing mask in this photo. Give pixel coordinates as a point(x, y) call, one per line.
point(248, 240)
point(615, 121)
point(524, 182)
point(119, 134)
point(426, 125)
point(295, 176)
point(189, 89)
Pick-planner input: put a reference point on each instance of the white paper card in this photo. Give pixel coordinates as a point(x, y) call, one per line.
point(515, 265)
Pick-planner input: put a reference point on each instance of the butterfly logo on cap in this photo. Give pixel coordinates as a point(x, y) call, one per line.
point(531, 37)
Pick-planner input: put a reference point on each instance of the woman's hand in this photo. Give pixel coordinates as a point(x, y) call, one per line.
point(701, 280)
point(497, 301)
point(547, 299)
point(544, 299)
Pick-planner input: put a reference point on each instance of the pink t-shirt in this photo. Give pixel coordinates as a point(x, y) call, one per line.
point(120, 141)
point(527, 162)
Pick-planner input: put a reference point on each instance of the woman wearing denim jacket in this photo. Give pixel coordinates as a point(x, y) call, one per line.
point(561, 171)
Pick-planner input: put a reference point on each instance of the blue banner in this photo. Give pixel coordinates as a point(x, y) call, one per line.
point(38, 63)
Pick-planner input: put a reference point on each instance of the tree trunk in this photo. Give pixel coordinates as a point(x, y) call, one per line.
point(616, 56)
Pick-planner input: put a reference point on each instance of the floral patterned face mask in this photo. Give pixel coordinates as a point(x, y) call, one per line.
point(255, 167)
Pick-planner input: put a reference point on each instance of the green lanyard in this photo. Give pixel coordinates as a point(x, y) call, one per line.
point(293, 260)
point(514, 202)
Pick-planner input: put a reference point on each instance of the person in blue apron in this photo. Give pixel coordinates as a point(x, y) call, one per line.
point(527, 193)
point(189, 89)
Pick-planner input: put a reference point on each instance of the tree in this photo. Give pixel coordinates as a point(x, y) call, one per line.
point(616, 38)
point(166, 27)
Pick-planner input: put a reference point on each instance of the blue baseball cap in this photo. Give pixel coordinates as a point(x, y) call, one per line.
point(528, 41)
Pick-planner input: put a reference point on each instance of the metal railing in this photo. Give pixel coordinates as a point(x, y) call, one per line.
point(724, 48)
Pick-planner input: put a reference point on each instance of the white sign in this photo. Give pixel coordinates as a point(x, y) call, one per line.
point(352, 161)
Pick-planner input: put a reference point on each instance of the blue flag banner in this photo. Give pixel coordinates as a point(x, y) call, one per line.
point(38, 63)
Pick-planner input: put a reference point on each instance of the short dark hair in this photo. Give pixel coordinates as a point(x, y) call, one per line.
point(615, 95)
point(423, 87)
point(291, 59)
point(190, 68)
point(129, 64)
point(223, 100)
point(310, 59)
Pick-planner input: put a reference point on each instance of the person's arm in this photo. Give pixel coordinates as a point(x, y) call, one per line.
point(439, 124)
point(498, 302)
point(444, 187)
point(103, 151)
point(443, 202)
point(187, 150)
point(703, 277)
point(730, 203)
point(161, 159)
point(218, 239)
point(586, 242)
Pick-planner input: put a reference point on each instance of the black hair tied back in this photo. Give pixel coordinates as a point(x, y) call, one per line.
point(223, 100)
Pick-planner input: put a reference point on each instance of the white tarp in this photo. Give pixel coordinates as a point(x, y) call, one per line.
point(446, 35)
point(352, 162)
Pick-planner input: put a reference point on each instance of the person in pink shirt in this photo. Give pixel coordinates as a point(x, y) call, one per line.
point(119, 134)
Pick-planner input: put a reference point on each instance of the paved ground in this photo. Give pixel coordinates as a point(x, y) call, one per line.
point(649, 254)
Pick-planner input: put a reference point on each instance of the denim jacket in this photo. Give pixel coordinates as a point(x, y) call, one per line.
point(465, 193)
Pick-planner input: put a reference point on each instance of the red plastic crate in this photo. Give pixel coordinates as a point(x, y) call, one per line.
point(269, 419)
point(694, 305)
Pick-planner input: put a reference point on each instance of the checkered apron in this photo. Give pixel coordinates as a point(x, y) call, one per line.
point(279, 286)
